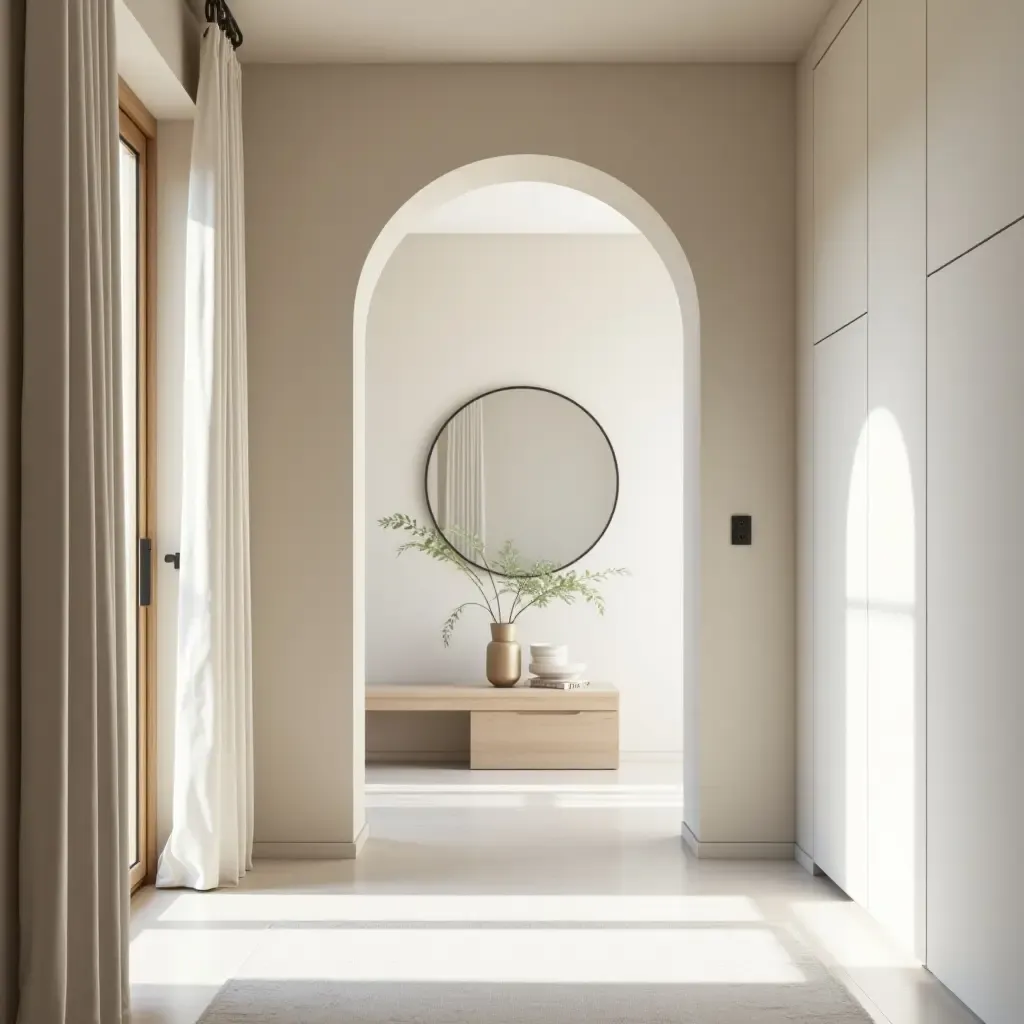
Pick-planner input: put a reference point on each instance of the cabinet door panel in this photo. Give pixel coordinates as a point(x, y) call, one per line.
point(841, 179)
point(840, 608)
point(975, 634)
point(897, 298)
point(975, 122)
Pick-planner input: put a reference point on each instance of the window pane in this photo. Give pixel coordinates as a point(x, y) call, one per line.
point(129, 406)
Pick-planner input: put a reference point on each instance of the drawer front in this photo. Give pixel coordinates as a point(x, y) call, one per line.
point(544, 739)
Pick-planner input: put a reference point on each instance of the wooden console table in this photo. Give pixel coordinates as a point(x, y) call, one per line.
point(519, 727)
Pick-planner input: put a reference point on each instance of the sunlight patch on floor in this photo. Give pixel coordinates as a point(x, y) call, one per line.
point(236, 907)
point(849, 936)
point(565, 956)
point(189, 956)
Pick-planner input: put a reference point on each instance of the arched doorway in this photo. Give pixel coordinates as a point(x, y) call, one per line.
point(619, 196)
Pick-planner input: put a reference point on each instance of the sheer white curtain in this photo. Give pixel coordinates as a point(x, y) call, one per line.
point(462, 493)
point(211, 837)
point(73, 891)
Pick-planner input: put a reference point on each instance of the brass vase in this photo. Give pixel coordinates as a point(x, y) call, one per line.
point(504, 656)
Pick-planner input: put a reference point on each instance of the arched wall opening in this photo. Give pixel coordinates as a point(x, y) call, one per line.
point(619, 196)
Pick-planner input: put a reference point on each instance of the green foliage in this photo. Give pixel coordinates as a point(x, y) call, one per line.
point(521, 586)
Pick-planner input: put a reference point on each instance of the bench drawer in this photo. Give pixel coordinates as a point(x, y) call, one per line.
point(544, 739)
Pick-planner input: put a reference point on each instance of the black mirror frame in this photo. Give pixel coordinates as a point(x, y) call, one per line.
point(495, 391)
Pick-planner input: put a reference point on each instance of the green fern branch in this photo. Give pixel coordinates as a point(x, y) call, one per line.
point(535, 586)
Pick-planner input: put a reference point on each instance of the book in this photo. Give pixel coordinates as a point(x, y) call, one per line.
point(559, 684)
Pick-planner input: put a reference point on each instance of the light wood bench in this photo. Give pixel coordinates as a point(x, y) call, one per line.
point(519, 727)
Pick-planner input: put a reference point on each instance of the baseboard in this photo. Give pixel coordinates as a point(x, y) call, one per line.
point(805, 860)
point(736, 851)
point(651, 756)
point(459, 758)
point(311, 851)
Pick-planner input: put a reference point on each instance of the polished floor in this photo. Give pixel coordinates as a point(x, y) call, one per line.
point(531, 864)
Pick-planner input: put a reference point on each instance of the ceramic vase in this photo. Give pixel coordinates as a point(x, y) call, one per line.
point(504, 656)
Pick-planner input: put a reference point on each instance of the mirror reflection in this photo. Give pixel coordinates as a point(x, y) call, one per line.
point(522, 479)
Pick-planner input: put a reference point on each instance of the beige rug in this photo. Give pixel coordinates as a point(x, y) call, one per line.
point(816, 999)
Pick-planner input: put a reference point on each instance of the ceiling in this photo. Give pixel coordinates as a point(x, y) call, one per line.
point(525, 207)
point(409, 31)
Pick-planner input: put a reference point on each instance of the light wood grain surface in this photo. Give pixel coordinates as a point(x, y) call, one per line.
point(544, 739)
point(484, 697)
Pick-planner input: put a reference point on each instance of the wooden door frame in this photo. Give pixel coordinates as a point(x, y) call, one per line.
point(138, 128)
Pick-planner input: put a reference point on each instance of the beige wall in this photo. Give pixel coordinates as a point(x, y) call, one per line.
point(11, 48)
point(331, 153)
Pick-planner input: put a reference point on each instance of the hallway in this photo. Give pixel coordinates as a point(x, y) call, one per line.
point(515, 878)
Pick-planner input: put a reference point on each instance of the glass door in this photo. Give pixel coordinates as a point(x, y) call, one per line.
point(135, 406)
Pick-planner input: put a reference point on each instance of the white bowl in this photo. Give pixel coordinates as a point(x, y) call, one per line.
point(566, 672)
point(550, 662)
point(556, 653)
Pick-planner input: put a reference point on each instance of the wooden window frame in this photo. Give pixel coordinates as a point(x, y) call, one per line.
point(138, 128)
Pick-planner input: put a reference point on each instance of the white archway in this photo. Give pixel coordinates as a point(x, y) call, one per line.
point(619, 196)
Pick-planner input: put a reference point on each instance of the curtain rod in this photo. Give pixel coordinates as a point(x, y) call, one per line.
point(218, 13)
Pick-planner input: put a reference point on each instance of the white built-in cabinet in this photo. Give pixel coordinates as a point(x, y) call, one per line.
point(975, 122)
point(912, 433)
point(840, 609)
point(840, 179)
point(869, 450)
point(897, 451)
point(976, 627)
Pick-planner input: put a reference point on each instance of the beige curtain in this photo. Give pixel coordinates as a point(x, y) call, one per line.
point(12, 49)
point(73, 835)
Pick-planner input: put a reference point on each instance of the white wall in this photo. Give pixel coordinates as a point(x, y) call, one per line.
point(941, 743)
point(596, 318)
point(332, 153)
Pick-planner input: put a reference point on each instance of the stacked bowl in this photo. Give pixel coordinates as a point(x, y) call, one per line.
point(550, 665)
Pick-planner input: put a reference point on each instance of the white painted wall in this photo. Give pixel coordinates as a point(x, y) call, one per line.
point(596, 318)
point(158, 54)
point(332, 152)
point(944, 378)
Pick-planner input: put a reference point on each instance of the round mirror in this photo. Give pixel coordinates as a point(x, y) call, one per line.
point(522, 480)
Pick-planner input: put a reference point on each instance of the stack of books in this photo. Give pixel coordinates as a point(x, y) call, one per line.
point(558, 684)
point(550, 668)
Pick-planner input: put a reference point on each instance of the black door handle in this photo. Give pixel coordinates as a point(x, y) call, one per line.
point(145, 572)
point(174, 559)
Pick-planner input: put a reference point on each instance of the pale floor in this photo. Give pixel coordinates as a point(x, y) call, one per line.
point(533, 864)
